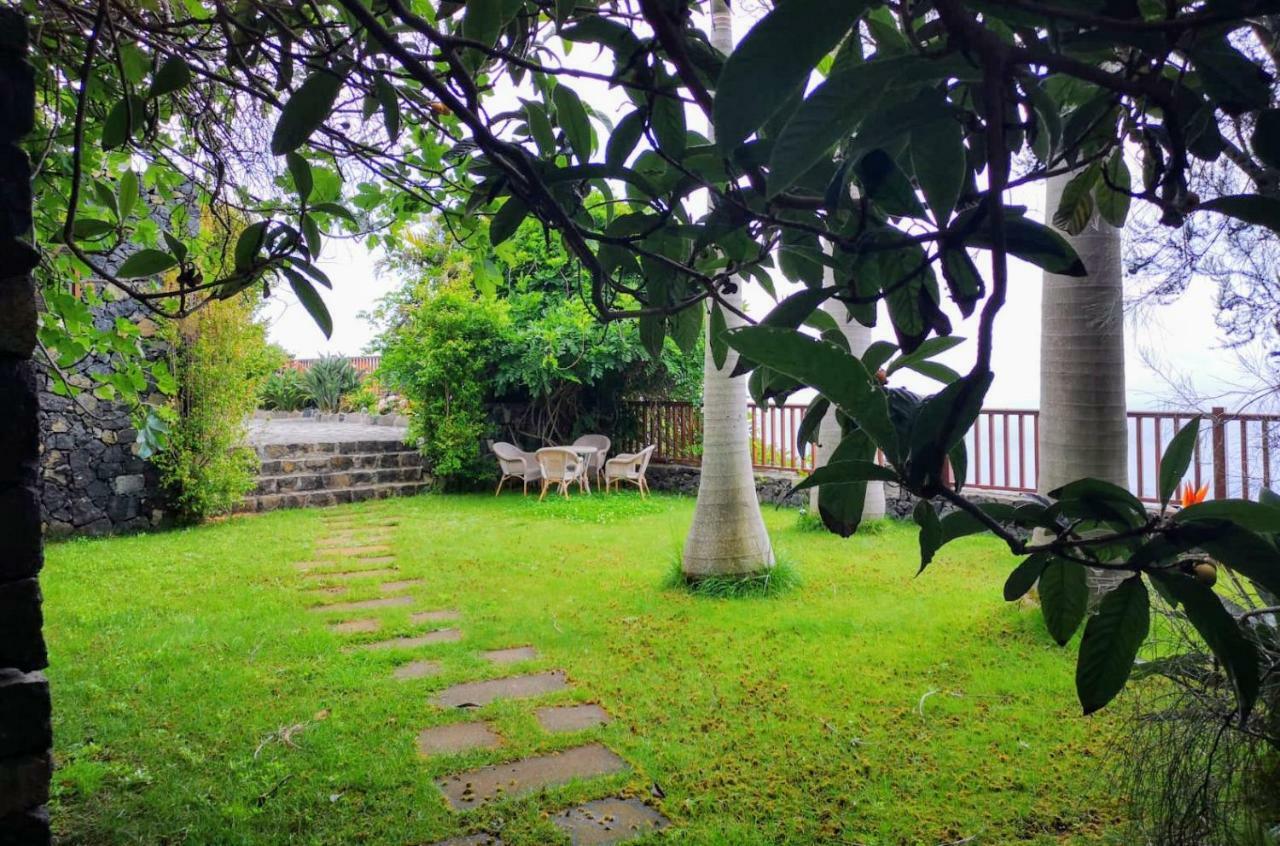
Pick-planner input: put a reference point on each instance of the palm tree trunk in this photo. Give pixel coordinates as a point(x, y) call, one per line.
point(829, 434)
point(728, 536)
point(1083, 427)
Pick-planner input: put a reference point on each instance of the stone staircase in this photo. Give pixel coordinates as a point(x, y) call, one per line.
point(310, 475)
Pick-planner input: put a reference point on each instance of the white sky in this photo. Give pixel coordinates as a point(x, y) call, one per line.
point(1181, 336)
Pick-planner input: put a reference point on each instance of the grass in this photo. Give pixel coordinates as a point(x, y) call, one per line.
point(198, 701)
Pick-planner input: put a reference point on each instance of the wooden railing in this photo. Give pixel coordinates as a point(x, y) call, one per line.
point(1236, 454)
point(363, 364)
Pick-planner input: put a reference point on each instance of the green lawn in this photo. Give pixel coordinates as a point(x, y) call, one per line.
point(197, 700)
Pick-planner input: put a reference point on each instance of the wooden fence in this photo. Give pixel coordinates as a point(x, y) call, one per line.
point(1236, 454)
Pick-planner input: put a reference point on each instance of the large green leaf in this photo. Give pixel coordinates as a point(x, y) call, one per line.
point(926, 518)
point(127, 193)
point(389, 101)
point(715, 334)
point(482, 21)
point(810, 422)
point(1229, 77)
point(248, 244)
point(305, 111)
point(774, 59)
point(1254, 516)
point(1250, 208)
point(300, 170)
point(310, 300)
point(1110, 644)
point(1064, 598)
point(669, 124)
point(145, 263)
point(574, 121)
point(173, 75)
point(845, 471)
point(623, 139)
point(1112, 190)
point(885, 184)
point(1025, 575)
point(1220, 630)
point(507, 220)
point(540, 129)
point(841, 503)
point(1173, 466)
point(938, 159)
point(1075, 206)
point(1266, 137)
point(1253, 556)
point(828, 369)
point(1032, 242)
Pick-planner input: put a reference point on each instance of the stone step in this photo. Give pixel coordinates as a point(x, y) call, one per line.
point(340, 461)
point(336, 480)
point(326, 498)
point(608, 821)
point(473, 788)
point(481, 693)
point(309, 448)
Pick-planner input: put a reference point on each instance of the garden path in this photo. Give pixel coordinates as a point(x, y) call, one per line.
point(351, 543)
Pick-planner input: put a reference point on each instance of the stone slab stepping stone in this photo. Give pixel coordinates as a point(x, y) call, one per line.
point(473, 788)
point(475, 694)
point(356, 626)
point(606, 821)
point(357, 551)
point(320, 593)
point(352, 575)
point(353, 540)
point(470, 840)
point(434, 616)
point(459, 737)
point(363, 604)
point(330, 566)
point(417, 670)
point(510, 655)
point(391, 587)
point(559, 719)
point(438, 636)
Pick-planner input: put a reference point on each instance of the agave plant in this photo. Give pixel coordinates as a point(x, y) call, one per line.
point(283, 391)
point(328, 380)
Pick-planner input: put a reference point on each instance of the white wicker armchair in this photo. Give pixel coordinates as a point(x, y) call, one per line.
point(595, 464)
point(516, 464)
point(631, 468)
point(560, 466)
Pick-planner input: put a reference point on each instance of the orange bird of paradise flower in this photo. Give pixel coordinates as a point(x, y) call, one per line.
point(1191, 494)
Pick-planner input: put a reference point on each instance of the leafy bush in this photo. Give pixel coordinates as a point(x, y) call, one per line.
point(283, 391)
point(514, 338)
point(221, 359)
point(328, 380)
point(365, 398)
point(442, 354)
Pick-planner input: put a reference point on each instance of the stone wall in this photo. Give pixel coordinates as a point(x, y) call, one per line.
point(683, 479)
point(26, 737)
point(91, 480)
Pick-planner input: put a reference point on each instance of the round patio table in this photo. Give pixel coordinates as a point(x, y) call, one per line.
point(585, 454)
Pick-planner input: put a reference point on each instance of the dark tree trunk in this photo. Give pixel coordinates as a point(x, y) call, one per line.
point(25, 731)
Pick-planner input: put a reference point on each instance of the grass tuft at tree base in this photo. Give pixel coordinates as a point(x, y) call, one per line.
point(781, 578)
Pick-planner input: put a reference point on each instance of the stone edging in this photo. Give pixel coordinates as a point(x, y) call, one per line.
point(398, 420)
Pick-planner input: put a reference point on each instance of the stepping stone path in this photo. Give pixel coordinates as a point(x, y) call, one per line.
point(511, 655)
point(438, 636)
point(364, 604)
point(391, 587)
point(351, 575)
point(440, 616)
point(473, 788)
point(355, 626)
point(417, 670)
point(476, 694)
point(561, 719)
point(458, 737)
point(354, 550)
point(609, 821)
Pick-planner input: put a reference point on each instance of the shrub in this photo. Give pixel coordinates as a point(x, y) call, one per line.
point(283, 391)
point(366, 398)
point(328, 380)
point(219, 356)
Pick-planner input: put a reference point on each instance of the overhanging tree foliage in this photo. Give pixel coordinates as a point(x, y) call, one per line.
point(931, 110)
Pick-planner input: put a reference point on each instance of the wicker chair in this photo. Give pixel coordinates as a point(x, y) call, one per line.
point(560, 466)
point(629, 468)
point(516, 464)
point(596, 462)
